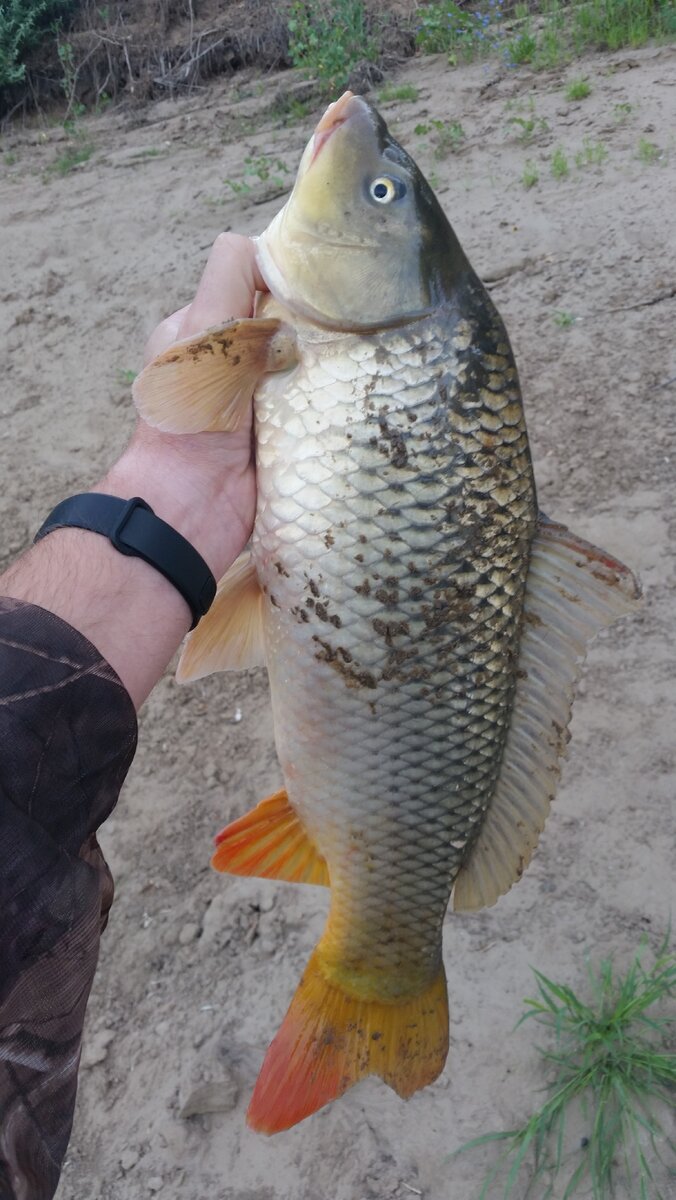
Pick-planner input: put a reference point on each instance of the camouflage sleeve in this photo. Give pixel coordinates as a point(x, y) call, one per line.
point(67, 738)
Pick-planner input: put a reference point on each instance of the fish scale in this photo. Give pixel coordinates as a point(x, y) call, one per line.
point(392, 633)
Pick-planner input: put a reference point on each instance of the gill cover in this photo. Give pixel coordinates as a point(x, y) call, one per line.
point(362, 241)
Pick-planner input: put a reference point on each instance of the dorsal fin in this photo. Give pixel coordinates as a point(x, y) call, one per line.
point(573, 590)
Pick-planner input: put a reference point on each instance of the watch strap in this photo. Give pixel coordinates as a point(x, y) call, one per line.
point(133, 529)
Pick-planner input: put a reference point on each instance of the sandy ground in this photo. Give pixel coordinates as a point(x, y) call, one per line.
point(197, 969)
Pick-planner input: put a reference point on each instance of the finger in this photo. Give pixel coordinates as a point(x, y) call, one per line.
point(228, 286)
point(164, 335)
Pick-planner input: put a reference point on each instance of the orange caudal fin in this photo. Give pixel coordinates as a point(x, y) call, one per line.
point(330, 1039)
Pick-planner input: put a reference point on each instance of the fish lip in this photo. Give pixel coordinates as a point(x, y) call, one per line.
point(337, 114)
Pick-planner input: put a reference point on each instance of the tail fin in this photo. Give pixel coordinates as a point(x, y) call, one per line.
point(330, 1039)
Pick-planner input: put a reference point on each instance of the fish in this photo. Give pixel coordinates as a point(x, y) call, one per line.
point(423, 624)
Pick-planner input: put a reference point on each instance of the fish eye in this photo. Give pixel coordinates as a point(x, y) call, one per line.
point(385, 189)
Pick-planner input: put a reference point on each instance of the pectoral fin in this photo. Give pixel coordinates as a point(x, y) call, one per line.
point(573, 590)
point(271, 843)
point(207, 382)
point(230, 636)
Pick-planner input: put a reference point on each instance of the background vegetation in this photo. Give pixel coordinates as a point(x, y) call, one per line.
point(94, 51)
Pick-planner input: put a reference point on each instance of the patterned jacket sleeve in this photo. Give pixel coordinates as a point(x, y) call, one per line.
point(67, 739)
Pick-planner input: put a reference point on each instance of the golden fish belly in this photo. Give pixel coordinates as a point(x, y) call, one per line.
point(396, 511)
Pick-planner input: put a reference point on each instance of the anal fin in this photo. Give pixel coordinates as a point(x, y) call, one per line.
point(230, 636)
point(573, 590)
point(271, 843)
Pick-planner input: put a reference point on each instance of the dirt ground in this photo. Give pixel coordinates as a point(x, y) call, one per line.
point(197, 969)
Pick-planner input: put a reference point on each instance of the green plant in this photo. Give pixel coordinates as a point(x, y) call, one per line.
point(578, 89)
point(459, 32)
point(259, 167)
point(562, 31)
point(10, 158)
point(125, 377)
point(521, 48)
point(530, 174)
point(447, 136)
point(291, 109)
point(73, 156)
point(591, 154)
point(529, 127)
point(611, 1066)
point(621, 112)
point(69, 82)
point(648, 152)
point(328, 39)
point(611, 24)
point(23, 25)
point(552, 35)
point(405, 91)
point(559, 164)
point(564, 320)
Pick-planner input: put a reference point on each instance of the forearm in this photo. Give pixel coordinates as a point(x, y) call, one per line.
point(126, 608)
point(68, 735)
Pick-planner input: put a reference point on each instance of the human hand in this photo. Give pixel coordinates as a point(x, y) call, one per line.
point(203, 484)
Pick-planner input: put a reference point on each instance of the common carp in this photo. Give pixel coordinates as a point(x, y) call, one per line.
point(423, 625)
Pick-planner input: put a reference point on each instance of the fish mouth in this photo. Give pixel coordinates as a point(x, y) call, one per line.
point(346, 106)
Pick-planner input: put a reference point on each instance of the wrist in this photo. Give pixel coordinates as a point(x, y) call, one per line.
point(198, 488)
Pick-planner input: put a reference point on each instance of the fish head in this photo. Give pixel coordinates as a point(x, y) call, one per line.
point(362, 241)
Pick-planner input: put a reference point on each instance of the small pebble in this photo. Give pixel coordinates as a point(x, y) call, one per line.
point(217, 1097)
point(95, 1048)
point(155, 1184)
point(128, 1159)
point(188, 933)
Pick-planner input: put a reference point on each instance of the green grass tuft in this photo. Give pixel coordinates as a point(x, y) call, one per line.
point(648, 152)
point(578, 89)
point(447, 136)
point(559, 164)
point(74, 156)
point(592, 154)
point(529, 127)
point(564, 320)
point(259, 169)
point(613, 1067)
point(530, 175)
point(405, 91)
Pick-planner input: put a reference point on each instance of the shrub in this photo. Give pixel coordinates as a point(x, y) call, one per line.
point(329, 39)
point(23, 24)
